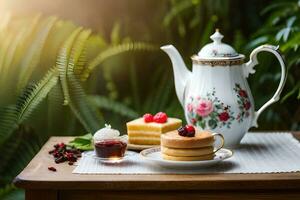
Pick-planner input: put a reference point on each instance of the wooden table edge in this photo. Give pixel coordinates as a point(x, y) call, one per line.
point(162, 185)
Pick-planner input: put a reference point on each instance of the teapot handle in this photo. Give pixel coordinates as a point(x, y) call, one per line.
point(249, 68)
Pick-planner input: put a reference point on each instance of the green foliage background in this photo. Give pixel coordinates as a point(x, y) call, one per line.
point(57, 78)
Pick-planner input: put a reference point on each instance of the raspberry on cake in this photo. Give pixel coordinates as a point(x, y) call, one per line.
point(148, 129)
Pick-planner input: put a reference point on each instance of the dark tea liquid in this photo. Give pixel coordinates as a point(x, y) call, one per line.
point(110, 149)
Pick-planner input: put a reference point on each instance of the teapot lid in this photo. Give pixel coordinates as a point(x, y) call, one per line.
point(217, 50)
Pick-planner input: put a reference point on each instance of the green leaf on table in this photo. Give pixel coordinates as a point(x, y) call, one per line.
point(83, 142)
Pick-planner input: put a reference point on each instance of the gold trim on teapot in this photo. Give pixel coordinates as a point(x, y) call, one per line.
point(224, 62)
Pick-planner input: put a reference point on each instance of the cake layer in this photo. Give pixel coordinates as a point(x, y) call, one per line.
point(187, 152)
point(201, 139)
point(143, 134)
point(144, 140)
point(140, 125)
point(188, 158)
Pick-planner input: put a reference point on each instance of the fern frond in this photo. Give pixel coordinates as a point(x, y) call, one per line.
point(6, 191)
point(11, 52)
point(18, 39)
point(9, 148)
point(3, 51)
point(155, 100)
point(8, 122)
point(82, 60)
point(63, 60)
point(25, 147)
point(81, 107)
point(112, 51)
point(10, 47)
point(73, 92)
point(32, 57)
point(177, 8)
point(34, 94)
point(77, 57)
point(78, 103)
point(115, 34)
point(28, 37)
point(15, 194)
point(114, 106)
point(12, 116)
point(56, 111)
point(26, 150)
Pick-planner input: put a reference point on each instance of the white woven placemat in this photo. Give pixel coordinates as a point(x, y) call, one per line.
point(258, 153)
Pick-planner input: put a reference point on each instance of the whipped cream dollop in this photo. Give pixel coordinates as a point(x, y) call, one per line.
point(106, 133)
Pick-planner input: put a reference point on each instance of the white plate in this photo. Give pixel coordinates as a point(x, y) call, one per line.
point(139, 147)
point(153, 155)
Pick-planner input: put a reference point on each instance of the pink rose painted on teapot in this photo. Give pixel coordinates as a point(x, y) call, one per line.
point(204, 107)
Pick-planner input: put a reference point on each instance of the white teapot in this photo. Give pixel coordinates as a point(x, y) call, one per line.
point(216, 95)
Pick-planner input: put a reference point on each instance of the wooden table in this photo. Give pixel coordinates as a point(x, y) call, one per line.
point(40, 183)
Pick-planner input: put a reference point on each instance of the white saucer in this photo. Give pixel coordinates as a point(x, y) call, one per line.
point(153, 155)
point(92, 154)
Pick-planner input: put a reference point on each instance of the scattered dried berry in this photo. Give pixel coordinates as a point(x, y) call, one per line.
point(52, 151)
point(63, 153)
point(148, 117)
point(52, 169)
point(60, 160)
point(70, 163)
point(78, 155)
point(56, 154)
point(62, 145)
point(160, 117)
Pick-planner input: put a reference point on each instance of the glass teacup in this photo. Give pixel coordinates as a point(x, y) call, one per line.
point(111, 150)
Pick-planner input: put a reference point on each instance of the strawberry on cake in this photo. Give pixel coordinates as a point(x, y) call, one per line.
point(148, 129)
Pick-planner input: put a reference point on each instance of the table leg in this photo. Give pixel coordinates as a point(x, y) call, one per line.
point(178, 195)
point(41, 195)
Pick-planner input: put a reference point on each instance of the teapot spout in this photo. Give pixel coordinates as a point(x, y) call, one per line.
point(181, 72)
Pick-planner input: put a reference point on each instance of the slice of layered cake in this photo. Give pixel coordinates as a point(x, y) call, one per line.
point(148, 129)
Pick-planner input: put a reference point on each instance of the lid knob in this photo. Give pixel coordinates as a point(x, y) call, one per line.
point(217, 49)
point(217, 37)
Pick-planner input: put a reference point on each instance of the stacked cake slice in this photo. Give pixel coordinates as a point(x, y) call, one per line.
point(199, 146)
point(148, 133)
